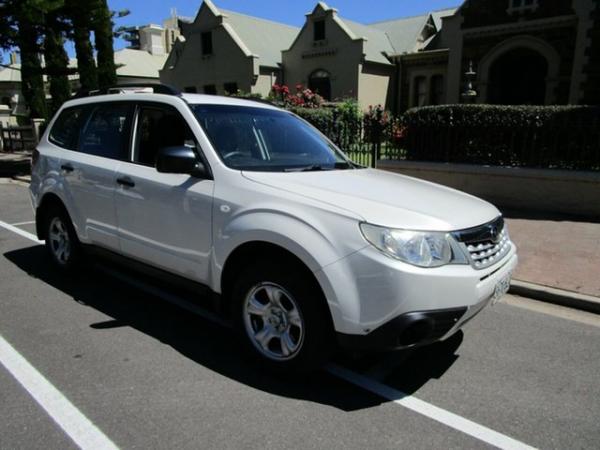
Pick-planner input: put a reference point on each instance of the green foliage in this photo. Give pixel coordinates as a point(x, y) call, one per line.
point(348, 110)
point(566, 137)
point(79, 14)
point(57, 61)
point(102, 26)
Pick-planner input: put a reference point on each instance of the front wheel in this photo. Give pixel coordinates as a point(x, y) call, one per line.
point(282, 318)
point(61, 240)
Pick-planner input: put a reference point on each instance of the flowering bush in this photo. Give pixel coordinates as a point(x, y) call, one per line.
point(303, 98)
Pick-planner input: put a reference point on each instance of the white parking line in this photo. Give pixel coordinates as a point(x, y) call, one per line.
point(440, 415)
point(452, 420)
point(18, 224)
point(78, 427)
point(14, 229)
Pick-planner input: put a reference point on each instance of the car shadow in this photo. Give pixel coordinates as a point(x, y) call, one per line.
point(217, 347)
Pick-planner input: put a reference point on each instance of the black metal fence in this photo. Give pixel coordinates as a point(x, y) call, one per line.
point(557, 137)
point(17, 138)
point(365, 141)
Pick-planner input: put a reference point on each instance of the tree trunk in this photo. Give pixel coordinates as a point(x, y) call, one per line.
point(79, 11)
point(103, 33)
point(57, 63)
point(32, 81)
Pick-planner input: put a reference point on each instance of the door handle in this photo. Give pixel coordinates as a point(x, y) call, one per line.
point(126, 181)
point(67, 167)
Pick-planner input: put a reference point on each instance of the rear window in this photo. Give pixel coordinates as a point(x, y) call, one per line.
point(65, 131)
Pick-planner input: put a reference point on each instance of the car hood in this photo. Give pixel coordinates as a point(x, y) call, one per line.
point(385, 198)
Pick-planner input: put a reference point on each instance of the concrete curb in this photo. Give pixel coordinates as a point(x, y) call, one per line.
point(556, 296)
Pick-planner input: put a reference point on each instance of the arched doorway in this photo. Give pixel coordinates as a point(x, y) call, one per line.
point(320, 82)
point(518, 77)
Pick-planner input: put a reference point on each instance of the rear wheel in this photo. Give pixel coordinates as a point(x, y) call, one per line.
point(281, 316)
point(61, 239)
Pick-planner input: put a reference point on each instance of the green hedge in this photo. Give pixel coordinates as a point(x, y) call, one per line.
point(565, 137)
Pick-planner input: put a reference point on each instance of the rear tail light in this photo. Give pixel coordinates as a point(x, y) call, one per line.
point(35, 155)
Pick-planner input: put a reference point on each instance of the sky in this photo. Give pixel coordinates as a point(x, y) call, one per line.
point(291, 12)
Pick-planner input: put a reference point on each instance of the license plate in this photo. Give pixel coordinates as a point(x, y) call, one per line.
point(501, 288)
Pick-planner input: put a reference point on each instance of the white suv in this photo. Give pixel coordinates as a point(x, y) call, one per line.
point(302, 247)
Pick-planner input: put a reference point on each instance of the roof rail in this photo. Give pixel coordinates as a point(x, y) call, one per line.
point(157, 88)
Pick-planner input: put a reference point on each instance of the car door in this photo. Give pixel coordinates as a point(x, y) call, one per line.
point(164, 219)
point(89, 171)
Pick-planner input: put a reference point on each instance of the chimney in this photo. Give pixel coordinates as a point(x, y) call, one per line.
point(13, 58)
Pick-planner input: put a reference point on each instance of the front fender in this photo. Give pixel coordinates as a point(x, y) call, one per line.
point(316, 243)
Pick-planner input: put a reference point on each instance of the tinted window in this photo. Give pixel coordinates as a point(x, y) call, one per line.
point(158, 127)
point(262, 139)
point(65, 131)
point(107, 131)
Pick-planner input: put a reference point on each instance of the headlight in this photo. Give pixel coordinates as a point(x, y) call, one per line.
point(419, 248)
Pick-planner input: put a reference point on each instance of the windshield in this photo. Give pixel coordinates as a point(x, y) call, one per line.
point(260, 139)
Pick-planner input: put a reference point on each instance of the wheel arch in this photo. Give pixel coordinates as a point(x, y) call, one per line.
point(48, 201)
point(246, 253)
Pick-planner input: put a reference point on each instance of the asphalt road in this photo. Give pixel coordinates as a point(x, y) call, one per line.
point(144, 373)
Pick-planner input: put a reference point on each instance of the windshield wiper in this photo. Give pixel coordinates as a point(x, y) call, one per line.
point(311, 168)
point(318, 167)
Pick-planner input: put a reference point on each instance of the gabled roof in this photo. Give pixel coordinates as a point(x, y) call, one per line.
point(262, 37)
point(404, 33)
point(376, 41)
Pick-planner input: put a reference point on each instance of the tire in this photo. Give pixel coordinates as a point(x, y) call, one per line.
point(61, 240)
point(282, 318)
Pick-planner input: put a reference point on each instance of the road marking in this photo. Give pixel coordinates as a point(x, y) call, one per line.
point(414, 404)
point(426, 409)
point(29, 222)
point(14, 229)
point(78, 427)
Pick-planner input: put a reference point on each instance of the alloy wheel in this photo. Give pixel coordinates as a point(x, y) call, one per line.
point(273, 321)
point(60, 242)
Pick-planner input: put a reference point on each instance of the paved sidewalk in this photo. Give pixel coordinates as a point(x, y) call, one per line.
point(558, 253)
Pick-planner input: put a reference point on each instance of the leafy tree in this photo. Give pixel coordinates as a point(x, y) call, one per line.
point(25, 19)
point(102, 26)
point(56, 58)
point(79, 11)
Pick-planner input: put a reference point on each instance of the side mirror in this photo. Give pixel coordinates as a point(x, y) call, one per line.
point(180, 160)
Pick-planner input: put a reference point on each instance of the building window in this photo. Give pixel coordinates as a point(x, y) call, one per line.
point(210, 89)
point(420, 91)
point(437, 90)
point(207, 44)
point(320, 83)
point(190, 89)
point(230, 88)
point(319, 30)
point(522, 5)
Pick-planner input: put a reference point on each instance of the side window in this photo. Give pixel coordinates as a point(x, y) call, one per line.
point(160, 126)
point(65, 131)
point(107, 132)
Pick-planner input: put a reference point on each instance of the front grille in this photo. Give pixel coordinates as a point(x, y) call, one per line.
point(485, 244)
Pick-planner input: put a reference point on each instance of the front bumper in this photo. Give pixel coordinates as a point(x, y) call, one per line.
point(389, 304)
